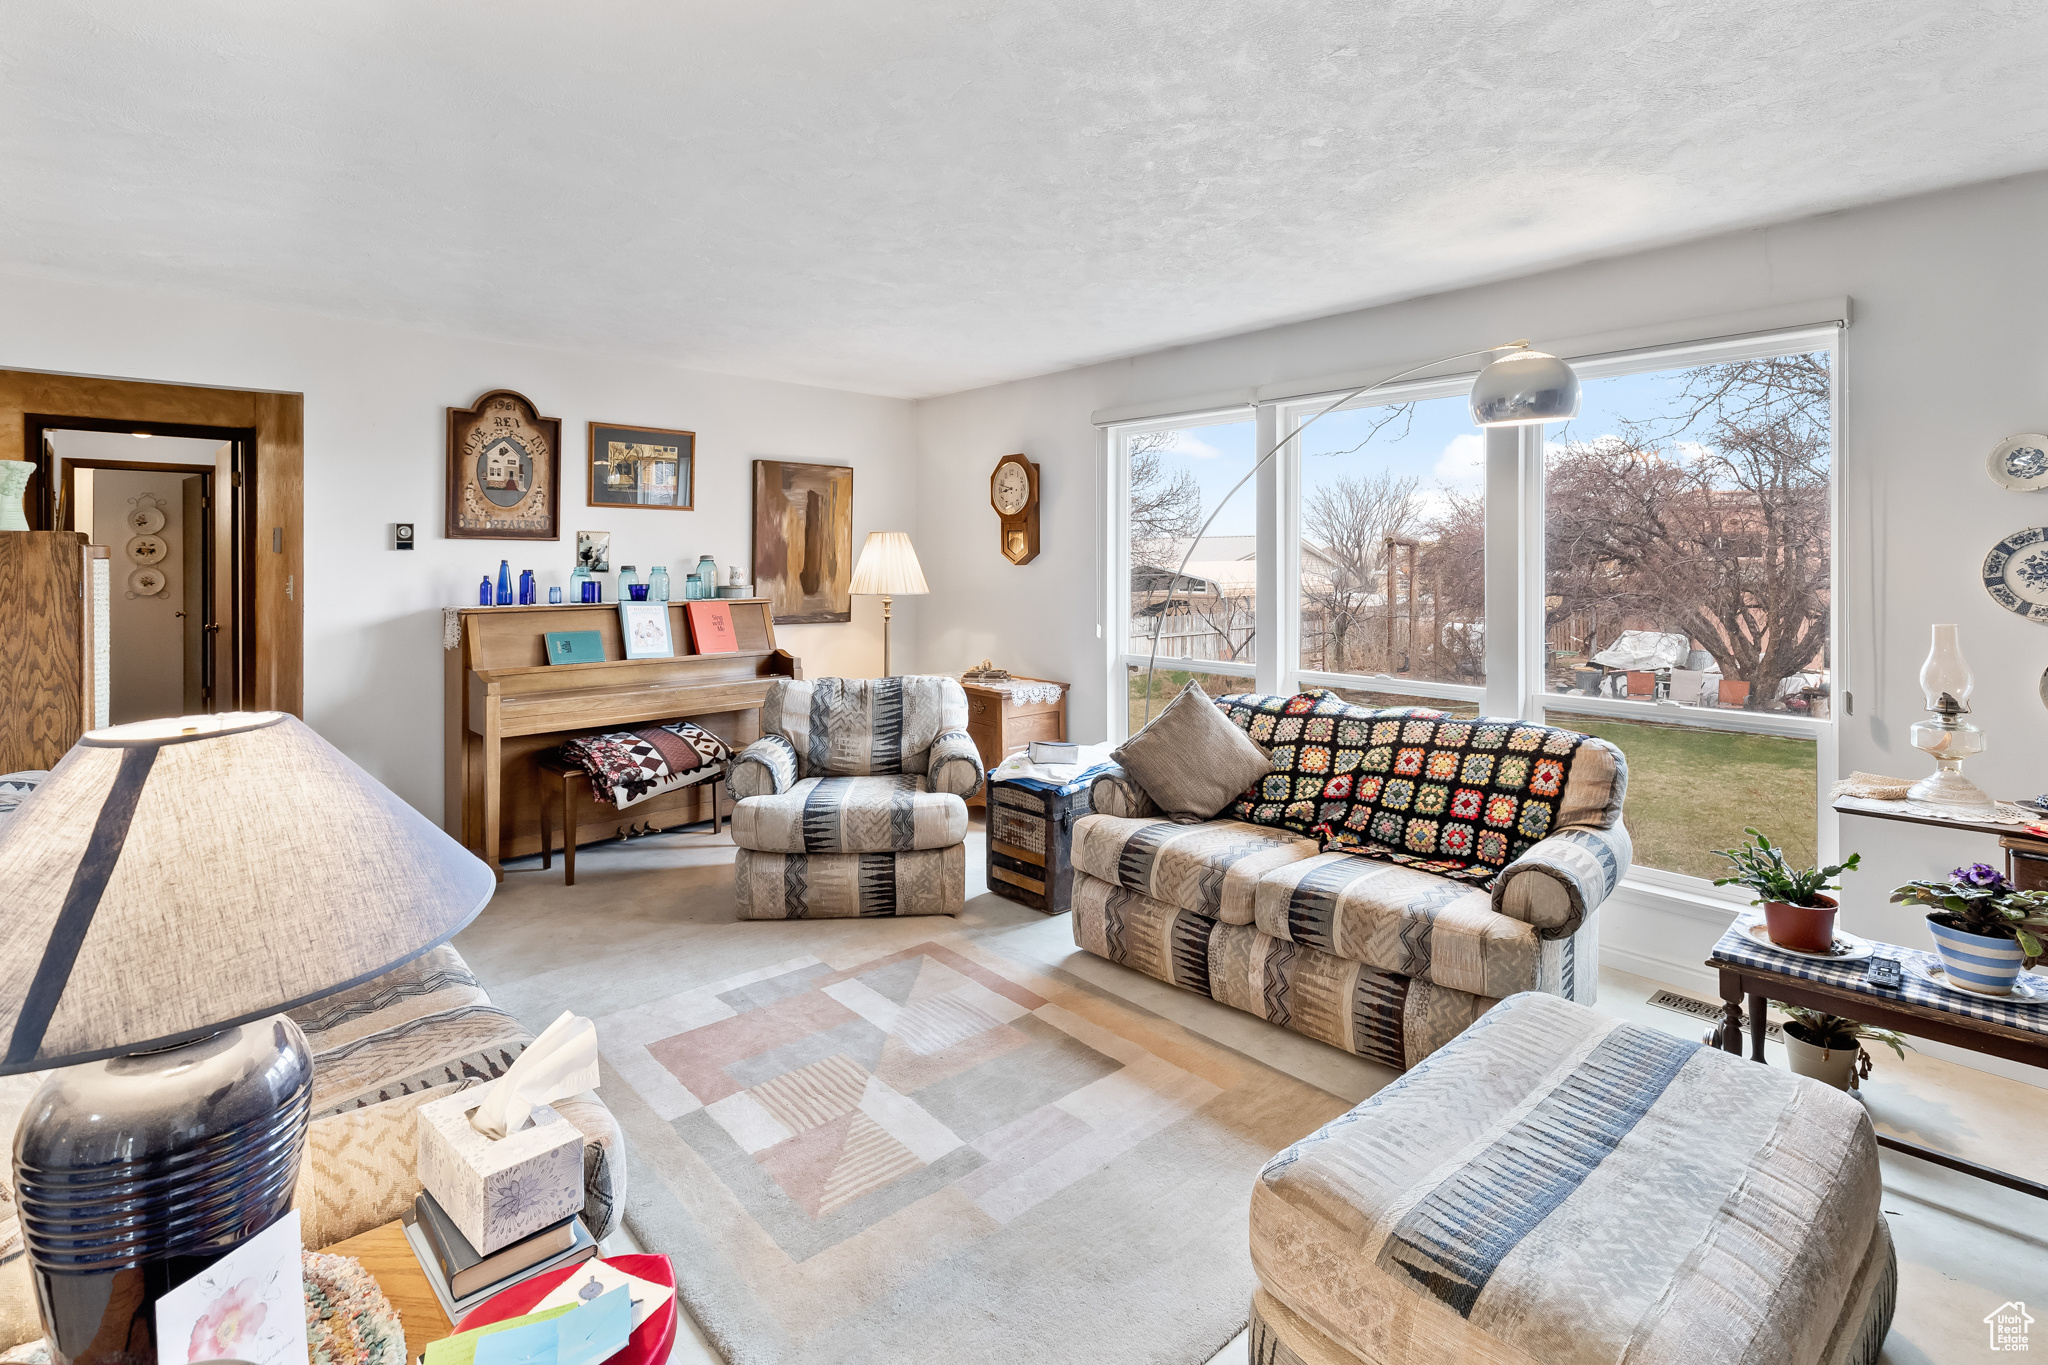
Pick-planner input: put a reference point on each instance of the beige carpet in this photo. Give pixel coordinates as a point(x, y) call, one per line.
point(902, 1141)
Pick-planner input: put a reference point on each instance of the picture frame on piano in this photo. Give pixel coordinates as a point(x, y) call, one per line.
point(645, 627)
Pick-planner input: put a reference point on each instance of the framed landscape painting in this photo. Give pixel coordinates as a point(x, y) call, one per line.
point(642, 467)
point(803, 540)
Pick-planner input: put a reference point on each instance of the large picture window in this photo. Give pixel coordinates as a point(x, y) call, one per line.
point(1677, 534)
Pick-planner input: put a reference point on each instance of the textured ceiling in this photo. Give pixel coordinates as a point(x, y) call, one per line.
point(912, 198)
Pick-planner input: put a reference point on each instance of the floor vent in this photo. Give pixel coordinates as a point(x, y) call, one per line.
point(1706, 1011)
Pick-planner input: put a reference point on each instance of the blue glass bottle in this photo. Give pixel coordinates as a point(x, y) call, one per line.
point(483, 592)
point(657, 583)
point(555, 595)
point(504, 582)
point(529, 592)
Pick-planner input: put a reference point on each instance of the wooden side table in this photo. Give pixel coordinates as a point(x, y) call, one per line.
point(1839, 988)
point(388, 1257)
point(999, 724)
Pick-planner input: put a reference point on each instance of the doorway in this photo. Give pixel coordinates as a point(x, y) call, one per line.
point(163, 502)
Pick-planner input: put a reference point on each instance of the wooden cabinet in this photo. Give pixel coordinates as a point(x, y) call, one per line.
point(1000, 723)
point(506, 706)
point(53, 672)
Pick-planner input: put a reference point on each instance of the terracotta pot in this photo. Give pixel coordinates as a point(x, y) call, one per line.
point(1808, 928)
point(1831, 1066)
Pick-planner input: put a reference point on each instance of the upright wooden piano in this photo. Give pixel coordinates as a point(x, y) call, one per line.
point(506, 706)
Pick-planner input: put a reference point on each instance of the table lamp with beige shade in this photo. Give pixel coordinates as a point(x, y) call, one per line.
point(171, 889)
point(888, 568)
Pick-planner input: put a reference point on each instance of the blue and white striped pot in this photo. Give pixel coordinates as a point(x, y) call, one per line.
point(1977, 962)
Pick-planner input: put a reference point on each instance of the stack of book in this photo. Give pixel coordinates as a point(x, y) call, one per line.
point(462, 1278)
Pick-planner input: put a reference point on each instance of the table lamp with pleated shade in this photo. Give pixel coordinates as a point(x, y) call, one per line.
point(171, 889)
point(888, 567)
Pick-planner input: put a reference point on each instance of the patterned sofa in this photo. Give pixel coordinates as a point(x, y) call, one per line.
point(853, 803)
point(1396, 875)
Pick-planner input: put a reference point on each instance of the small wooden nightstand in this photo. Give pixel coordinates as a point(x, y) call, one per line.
point(388, 1257)
point(1000, 725)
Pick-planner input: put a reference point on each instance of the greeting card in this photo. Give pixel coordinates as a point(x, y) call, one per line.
point(249, 1305)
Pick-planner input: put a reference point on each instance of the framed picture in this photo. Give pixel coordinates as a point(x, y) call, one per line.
point(504, 471)
point(642, 467)
point(645, 626)
point(594, 550)
point(803, 540)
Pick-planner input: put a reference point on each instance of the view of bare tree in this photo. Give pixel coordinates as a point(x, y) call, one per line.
point(1725, 539)
point(1166, 503)
point(1349, 519)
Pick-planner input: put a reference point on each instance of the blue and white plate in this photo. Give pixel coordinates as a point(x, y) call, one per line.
point(2016, 573)
point(2020, 463)
point(2027, 989)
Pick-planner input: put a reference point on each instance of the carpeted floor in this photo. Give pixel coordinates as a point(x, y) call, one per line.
point(919, 1139)
point(652, 922)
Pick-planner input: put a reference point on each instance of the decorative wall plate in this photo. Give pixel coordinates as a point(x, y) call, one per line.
point(148, 550)
point(2020, 463)
point(146, 582)
point(2016, 573)
point(146, 520)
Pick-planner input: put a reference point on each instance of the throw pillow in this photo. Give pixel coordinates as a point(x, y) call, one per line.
point(1191, 760)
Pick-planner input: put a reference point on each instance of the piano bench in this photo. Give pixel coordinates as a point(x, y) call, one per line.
point(563, 782)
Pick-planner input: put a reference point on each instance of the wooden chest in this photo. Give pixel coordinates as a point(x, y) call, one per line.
point(1031, 840)
point(1000, 724)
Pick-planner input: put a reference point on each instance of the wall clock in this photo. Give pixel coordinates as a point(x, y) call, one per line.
point(504, 471)
point(1013, 489)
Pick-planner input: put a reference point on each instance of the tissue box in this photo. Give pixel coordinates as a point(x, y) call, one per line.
point(499, 1191)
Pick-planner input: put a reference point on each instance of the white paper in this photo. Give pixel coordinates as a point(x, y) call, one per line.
point(593, 1278)
point(249, 1305)
point(561, 1062)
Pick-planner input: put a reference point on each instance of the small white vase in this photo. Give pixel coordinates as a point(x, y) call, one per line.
point(13, 481)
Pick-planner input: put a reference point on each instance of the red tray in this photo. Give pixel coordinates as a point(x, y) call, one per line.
point(651, 1340)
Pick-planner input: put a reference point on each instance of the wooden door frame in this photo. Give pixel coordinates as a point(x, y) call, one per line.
point(217, 697)
point(271, 430)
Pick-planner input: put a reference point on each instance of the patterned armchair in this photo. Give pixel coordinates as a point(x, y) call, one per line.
point(853, 801)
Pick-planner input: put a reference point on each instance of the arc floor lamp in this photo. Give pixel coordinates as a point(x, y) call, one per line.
point(1522, 388)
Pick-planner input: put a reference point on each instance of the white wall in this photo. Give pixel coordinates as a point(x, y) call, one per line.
point(1947, 354)
point(376, 436)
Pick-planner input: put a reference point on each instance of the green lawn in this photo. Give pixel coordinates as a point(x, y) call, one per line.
point(1692, 791)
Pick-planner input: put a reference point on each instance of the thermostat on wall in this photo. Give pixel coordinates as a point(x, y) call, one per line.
point(401, 535)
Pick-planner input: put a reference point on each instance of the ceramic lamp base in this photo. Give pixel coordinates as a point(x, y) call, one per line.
point(1948, 787)
point(135, 1173)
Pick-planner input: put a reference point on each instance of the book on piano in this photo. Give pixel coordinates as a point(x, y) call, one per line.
point(711, 629)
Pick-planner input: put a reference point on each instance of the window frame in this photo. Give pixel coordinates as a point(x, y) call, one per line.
point(1514, 555)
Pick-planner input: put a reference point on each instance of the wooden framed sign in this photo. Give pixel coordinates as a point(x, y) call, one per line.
point(504, 471)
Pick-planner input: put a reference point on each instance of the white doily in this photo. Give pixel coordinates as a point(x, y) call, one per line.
point(1024, 692)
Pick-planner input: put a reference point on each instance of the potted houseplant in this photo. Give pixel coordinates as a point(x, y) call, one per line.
point(1985, 928)
point(1829, 1048)
point(1797, 912)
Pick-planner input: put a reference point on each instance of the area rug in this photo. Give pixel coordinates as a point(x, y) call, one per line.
point(933, 1153)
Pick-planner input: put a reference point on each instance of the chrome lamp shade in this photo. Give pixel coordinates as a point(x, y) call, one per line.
point(1524, 388)
point(170, 890)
